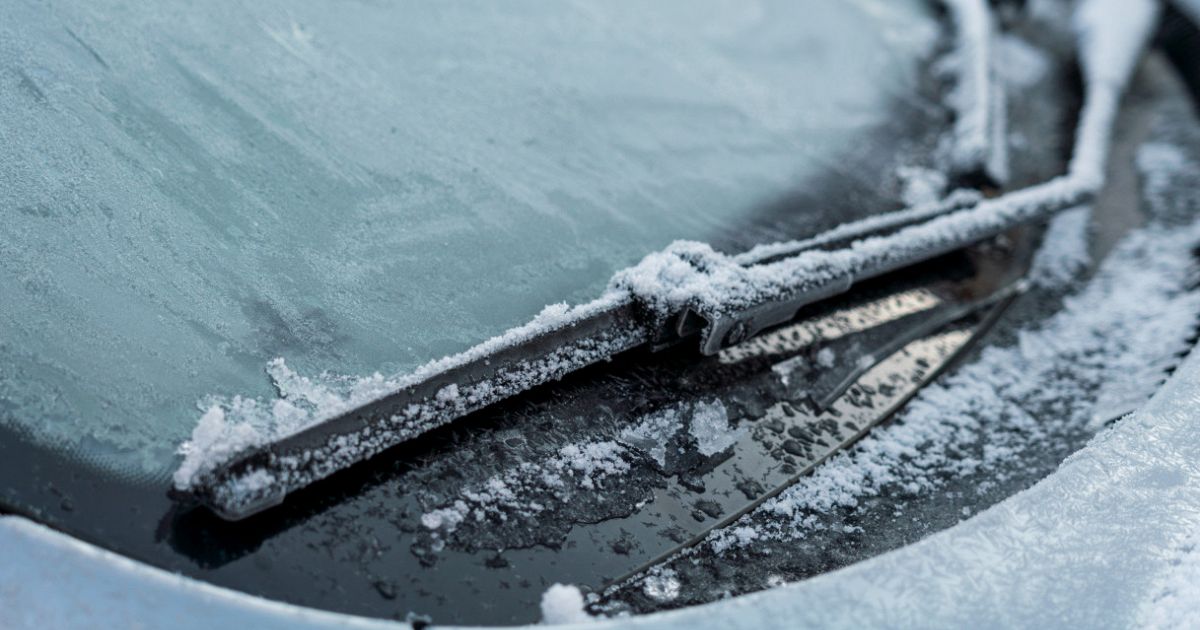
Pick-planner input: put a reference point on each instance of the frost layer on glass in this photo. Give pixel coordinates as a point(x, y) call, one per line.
point(190, 192)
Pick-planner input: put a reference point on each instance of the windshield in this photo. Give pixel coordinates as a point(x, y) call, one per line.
point(190, 195)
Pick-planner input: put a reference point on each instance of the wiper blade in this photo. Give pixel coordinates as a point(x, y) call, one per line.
point(634, 313)
point(686, 291)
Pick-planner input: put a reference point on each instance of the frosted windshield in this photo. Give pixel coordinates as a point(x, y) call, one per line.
point(190, 191)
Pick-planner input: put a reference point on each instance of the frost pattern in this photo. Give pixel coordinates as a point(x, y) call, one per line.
point(1175, 601)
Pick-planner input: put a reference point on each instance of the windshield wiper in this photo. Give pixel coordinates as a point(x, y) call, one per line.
point(687, 292)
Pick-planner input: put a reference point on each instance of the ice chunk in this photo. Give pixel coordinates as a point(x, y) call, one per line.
point(710, 427)
point(653, 432)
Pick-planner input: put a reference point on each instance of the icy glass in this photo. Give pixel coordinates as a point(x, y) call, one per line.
point(191, 190)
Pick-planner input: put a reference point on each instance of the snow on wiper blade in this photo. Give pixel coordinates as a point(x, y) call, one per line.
point(688, 289)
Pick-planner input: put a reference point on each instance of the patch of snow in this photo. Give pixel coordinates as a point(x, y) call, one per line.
point(739, 536)
point(446, 519)
point(662, 585)
point(584, 465)
point(1158, 163)
point(215, 439)
point(653, 432)
point(254, 482)
point(563, 603)
point(592, 462)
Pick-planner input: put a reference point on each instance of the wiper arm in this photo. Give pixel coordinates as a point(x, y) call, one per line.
point(687, 291)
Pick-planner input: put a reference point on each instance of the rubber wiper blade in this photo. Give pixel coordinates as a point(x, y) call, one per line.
point(633, 313)
point(260, 477)
point(687, 291)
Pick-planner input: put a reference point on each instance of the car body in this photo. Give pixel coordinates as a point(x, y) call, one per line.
point(351, 213)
